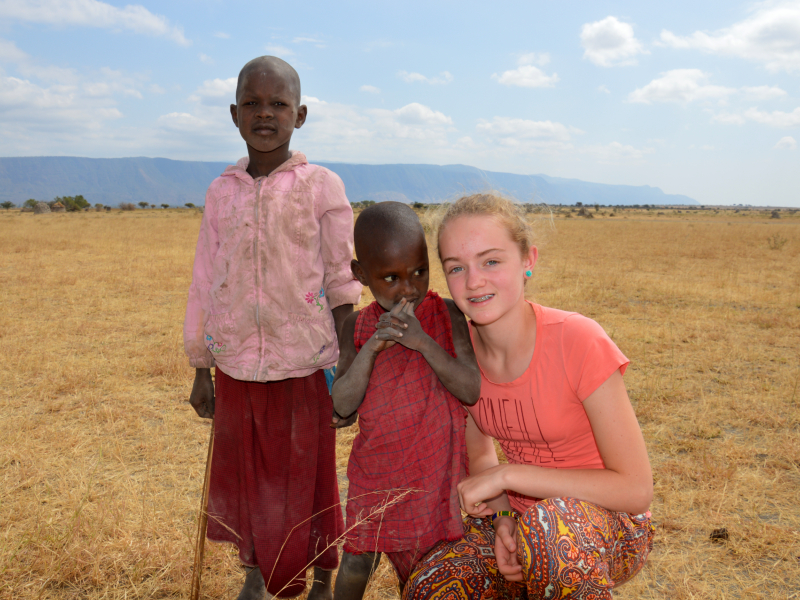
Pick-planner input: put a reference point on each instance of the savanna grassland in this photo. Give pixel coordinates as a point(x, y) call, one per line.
point(102, 459)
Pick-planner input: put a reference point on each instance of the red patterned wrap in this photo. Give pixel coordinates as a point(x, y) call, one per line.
point(410, 451)
point(273, 490)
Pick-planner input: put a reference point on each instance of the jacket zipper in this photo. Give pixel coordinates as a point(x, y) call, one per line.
point(257, 254)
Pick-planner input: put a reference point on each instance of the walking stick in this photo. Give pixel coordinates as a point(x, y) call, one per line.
point(202, 522)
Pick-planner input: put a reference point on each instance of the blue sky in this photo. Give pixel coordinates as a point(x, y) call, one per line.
point(697, 98)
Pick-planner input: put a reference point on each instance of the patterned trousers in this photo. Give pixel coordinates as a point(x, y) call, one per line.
point(567, 548)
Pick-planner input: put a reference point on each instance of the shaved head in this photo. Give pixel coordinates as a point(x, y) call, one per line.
point(384, 224)
point(276, 67)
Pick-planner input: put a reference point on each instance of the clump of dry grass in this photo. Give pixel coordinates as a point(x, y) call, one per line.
point(102, 462)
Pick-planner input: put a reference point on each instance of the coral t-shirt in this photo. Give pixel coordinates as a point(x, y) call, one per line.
point(539, 418)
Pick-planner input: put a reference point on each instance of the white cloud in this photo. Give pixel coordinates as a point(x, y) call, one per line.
point(534, 58)
point(10, 53)
point(771, 36)
point(222, 35)
point(786, 143)
point(205, 58)
point(526, 76)
point(370, 89)
point(443, 78)
point(309, 40)
point(156, 89)
point(610, 42)
point(604, 89)
point(279, 51)
point(92, 13)
point(775, 118)
point(523, 135)
point(217, 92)
point(350, 133)
point(615, 153)
point(680, 85)
point(763, 92)
point(526, 129)
point(729, 119)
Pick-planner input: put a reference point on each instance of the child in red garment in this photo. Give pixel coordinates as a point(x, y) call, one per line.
point(271, 287)
point(406, 366)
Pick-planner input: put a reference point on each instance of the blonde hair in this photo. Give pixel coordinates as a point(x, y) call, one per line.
point(506, 212)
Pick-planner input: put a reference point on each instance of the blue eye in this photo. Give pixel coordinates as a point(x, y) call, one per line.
point(491, 262)
point(456, 269)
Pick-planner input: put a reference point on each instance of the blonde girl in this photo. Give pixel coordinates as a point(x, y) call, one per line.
point(567, 517)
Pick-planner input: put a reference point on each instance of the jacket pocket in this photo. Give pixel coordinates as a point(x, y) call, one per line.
point(309, 340)
point(219, 334)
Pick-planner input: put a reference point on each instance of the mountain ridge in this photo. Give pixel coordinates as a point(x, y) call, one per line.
point(111, 181)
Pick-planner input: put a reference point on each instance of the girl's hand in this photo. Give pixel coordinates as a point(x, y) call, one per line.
point(505, 549)
point(476, 490)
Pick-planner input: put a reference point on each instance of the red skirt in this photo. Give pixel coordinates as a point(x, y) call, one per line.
point(273, 490)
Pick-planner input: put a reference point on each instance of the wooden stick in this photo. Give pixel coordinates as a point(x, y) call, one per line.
point(202, 522)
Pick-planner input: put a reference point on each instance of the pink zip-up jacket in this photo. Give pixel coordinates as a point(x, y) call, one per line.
point(272, 261)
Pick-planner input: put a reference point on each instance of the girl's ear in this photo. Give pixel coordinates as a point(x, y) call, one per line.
point(531, 258)
point(358, 272)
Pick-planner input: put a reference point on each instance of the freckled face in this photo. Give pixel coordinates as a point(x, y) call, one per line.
point(267, 111)
point(396, 271)
point(484, 267)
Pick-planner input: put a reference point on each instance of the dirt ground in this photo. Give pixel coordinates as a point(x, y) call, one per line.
point(102, 459)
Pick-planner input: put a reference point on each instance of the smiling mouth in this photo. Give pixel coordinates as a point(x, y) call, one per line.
point(483, 298)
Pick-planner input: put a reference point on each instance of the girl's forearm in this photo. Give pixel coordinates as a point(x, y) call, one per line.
point(459, 379)
point(349, 390)
point(611, 490)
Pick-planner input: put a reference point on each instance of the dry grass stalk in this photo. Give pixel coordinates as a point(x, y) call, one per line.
point(102, 462)
point(202, 522)
point(392, 497)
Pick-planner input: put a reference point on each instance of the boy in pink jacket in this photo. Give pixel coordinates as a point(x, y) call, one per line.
point(270, 289)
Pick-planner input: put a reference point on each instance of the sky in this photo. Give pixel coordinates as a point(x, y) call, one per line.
point(698, 98)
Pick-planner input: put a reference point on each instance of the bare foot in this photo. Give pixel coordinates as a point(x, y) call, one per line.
point(321, 588)
point(253, 588)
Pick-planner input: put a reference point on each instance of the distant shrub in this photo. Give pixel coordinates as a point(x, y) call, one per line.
point(165, 206)
point(776, 242)
point(419, 205)
point(70, 203)
point(29, 203)
point(775, 215)
point(189, 205)
point(127, 206)
point(8, 205)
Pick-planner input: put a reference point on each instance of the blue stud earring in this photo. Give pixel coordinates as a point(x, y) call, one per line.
point(528, 273)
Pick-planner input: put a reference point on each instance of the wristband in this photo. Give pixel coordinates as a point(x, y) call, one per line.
point(505, 513)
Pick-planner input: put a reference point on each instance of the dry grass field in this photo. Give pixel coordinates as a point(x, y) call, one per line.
point(102, 459)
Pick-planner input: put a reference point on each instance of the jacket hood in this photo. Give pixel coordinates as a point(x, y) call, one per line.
point(240, 168)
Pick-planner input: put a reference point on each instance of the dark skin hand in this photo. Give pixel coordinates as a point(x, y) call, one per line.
point(202, 396)
point(459, 375)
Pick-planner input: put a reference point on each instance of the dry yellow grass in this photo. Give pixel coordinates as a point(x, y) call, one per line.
point(101, 461)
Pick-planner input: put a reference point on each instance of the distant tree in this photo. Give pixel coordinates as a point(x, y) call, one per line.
point(596, 208)
point(8, 205)
point(579, 204)
point(144, 204)
point(30, 203)
point(189, 205)
point(98, 206)
point(419, 205)
point(165, 206)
